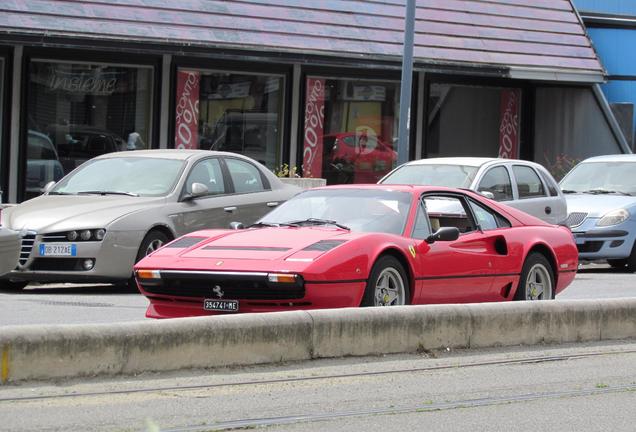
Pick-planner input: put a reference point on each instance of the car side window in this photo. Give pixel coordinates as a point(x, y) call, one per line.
point(422, 227)
point(497, 182)
point(245, 176)
point(487, 219)
point(552, 186)
point(208, 173)
point(529, 184)
point(448, 211)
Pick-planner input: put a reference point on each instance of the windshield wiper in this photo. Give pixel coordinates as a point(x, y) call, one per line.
point(61, 193)
point(263, 224)
point(568, 191)
point(605, 192)
point(103, 192)
point(316, 221)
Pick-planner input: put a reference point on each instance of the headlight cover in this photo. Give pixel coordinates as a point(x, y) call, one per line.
point(613, 218)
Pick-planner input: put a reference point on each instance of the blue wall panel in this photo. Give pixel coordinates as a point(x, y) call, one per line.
point(615, 47)
point(621, 7)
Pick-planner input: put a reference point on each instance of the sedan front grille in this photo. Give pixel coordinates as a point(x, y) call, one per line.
point(234, 286)
point(28, 240)
point(575, 219)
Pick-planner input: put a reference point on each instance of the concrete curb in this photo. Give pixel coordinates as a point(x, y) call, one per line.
point(66, 351)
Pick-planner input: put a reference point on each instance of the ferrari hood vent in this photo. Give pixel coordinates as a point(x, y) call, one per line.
point(185, 242)
point(324, 245)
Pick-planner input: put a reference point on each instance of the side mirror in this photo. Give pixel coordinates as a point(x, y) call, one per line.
point(487, 194)
point(444, 234)
point(47, 187)
point(237, 225)
point(198, 189)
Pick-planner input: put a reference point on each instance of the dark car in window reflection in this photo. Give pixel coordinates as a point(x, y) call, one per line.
point(43, 164)
point(78, 143)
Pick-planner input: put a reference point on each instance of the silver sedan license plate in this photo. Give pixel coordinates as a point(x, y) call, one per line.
point(58, 249)
point(221, 305)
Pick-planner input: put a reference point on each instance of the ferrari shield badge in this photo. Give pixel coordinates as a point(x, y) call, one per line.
point(412, 250)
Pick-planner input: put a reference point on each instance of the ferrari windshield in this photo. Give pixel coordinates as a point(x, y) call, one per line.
point(601, 178)
point(135, 176)
point(458, 176)
point(367, 210)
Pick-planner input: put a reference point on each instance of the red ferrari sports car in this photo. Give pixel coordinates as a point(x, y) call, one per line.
point(362, 245)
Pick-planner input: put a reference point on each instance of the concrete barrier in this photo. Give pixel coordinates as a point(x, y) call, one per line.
point(65, 351)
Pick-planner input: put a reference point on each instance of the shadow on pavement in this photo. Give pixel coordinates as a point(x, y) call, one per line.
point(74, 289)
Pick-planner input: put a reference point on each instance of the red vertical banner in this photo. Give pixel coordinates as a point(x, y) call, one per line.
point(186, 128)
point(314, 127)
point(509, 123)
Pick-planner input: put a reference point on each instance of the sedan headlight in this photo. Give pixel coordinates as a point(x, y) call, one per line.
point(613, 218)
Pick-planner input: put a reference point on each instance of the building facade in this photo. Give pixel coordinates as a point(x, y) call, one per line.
point(314, 88)
point(611, 25)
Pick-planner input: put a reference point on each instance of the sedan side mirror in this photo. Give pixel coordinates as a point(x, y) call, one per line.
point(487, 194)
point(47, 187)
point(444, 234)
point(198, 189)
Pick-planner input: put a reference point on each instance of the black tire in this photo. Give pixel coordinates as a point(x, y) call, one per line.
point(387, 274)
point(631, 260)
point(151, 242)
point(536, 271)
point(8, 285)
point(617, 263)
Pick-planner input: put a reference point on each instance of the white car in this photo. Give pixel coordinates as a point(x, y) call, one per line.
point(522, 184)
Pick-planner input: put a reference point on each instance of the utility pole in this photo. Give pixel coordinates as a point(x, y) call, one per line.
point(406, 84)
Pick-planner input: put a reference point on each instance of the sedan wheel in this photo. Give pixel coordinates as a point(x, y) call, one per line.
point(153, 241)
point(387, 284)
point(537, 279)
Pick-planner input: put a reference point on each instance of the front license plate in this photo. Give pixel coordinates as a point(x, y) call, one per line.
point(221, 305)
point(58, 249)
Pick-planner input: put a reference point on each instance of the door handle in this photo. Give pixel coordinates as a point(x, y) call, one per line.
point(272, 204)
point(229, 209)
point(548, 210)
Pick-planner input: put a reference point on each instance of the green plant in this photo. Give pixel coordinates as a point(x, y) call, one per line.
point(285, 170)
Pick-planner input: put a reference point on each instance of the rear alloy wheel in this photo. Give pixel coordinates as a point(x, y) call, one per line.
point(387, 284)
point(537, 279)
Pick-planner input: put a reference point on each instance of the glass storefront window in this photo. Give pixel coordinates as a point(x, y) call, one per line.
point(3, 175)
point(76, 111)
point(468, 120)
point(233, 112)
point(350, 130)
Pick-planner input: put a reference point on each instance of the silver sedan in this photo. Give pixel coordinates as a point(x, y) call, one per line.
point(522, 184)
point(96, 222)
point(9, 249)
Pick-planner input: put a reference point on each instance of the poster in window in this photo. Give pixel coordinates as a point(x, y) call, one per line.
point(509, 123)
point(187, 110)
point(314, 127)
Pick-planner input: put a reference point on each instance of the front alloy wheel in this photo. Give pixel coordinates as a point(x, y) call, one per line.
point(387, 284)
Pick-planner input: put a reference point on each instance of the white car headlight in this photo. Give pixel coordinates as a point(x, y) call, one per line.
point(613, 218)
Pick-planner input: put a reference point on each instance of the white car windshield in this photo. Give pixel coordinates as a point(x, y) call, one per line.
point(458, 176)
point(601, 178)
point(349, 208)
point(135, 176)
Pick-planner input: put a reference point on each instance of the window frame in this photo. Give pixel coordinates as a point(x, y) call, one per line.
point(532, 169)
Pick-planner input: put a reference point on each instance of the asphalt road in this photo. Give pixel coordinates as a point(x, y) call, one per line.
point(80, 304)
point(584, 387)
